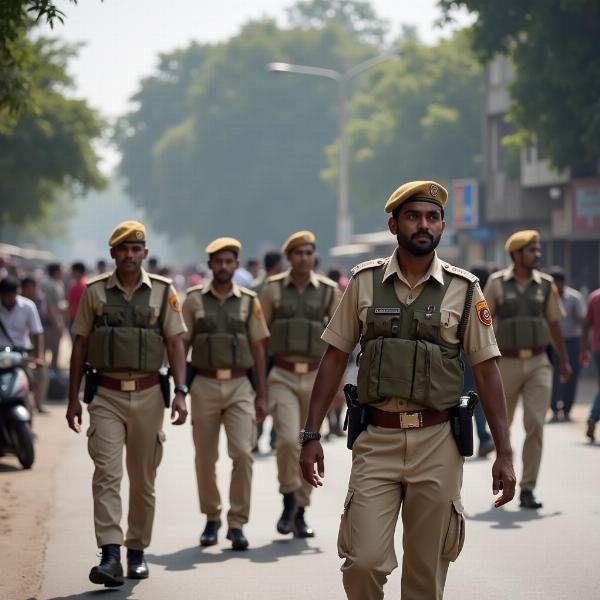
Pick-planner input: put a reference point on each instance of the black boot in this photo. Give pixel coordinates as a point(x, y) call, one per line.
point(301, 529)
point(286, 521)
point(209, 535)
point(109, 572)
point(527, 500)
point(590, 431)
point(237, 538)
point(136, 564)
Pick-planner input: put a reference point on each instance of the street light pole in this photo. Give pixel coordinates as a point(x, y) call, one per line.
point(343, 216)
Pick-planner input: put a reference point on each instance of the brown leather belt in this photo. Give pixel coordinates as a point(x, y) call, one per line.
point(523, 352)
point(296, 367)
point(223, 374)
point(407, 420)
point(128, 385)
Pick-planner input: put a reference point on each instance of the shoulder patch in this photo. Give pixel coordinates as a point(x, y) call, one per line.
point(98, 278)
point(248, 292)
point(459, 272)
point(368, 264)
point(483, 313)
point(160, 278)
point(174, 303)
point(195, 288)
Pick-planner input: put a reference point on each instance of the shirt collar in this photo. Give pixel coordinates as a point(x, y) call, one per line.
point(113, 281)
point(509, 274)
point(235, 290)
point(20, 301)
point(313, 279)
point(435, 270)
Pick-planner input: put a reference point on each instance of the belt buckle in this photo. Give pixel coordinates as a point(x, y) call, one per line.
point(224, 374)
point(128, 385)
point(411, 420)
point(301, 368)
point(525, 353)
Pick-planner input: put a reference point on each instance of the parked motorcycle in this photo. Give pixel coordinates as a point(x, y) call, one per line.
point(16, 435)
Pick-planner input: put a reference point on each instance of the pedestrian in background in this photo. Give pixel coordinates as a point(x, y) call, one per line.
point(77, 286)
point(56, 309)
point(564, 394)
point(591, 327)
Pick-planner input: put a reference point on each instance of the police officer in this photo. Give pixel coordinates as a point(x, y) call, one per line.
point(226, 329)
point(123, 324)
point(297, 304)
point(412, 314)
point(526, 308)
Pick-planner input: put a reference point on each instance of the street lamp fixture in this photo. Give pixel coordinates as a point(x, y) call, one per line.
point(344, 219)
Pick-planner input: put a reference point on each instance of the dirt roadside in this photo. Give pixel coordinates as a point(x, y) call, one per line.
point(26, 499)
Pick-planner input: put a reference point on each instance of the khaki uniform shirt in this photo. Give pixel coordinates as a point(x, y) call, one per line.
point(493, 293)
point(349, 321)
point(193, 309)
point(270, 297)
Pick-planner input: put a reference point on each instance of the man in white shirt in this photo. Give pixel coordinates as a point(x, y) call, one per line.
point(21, 326)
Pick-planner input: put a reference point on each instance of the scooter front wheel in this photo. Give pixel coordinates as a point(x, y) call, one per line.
point(22, 440)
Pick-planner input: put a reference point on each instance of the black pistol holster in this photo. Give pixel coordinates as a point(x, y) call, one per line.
point(461, 419)
point(356, 420)
point(164, 381)
point(91, 382)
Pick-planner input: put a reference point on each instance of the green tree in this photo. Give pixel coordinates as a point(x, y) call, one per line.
point(48, 151)
point(415, 118)
point(555, 49)
point(245, 158)
point(356, 17)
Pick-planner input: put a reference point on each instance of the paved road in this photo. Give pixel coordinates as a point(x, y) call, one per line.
point(550, 554)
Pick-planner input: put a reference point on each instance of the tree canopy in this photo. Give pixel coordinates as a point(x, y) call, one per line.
point(554, 46)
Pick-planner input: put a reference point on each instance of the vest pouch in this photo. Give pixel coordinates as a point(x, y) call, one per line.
point(368, 372)
point(113, 316)
point(99, 355)
point(400, 363)
point(428, 325)
point(201, 351)
point(313, 311)
point(443, 380)
point(243, 354)
point(278, 341)
point(298, 336)
point(235, 324)
point(206, 324)
point(125, 348)
point(285, 311)
point(515, 333)
point(316, 346)
point(152, 350)
point(541, 333)
point(222, 350)
point(145, 316)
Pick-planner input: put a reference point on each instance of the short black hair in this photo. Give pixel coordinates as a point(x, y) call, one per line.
point(79, 267)
point(9, 285)
point(334, 274)
point(251, 262)
point(272, 258)
point(53, 268)
point(153, 261)
point(28, 281)
point(101, 263)
point(396, 211)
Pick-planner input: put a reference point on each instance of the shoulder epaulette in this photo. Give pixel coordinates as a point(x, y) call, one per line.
point(546, 276)
point(98, 278)
point(327, 281)
point(248, 292)
point(368, 264)
point(460, 272)
point(195, 288)
point(277, 277)
point(497, 274)
point(160, 278)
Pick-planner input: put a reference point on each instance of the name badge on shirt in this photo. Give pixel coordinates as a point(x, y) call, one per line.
point(388, 311)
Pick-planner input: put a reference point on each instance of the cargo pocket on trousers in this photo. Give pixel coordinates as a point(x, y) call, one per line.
point(344, 542)
point(455, 536)
point(91, 441)
point(158, 450)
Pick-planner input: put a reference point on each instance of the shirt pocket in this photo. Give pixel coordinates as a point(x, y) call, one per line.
point(449, 322)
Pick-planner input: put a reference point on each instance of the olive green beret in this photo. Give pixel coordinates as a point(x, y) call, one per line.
point(428, 191)
point(520, 239)
point(298, 239)
point(127, 231)
point(224, 243)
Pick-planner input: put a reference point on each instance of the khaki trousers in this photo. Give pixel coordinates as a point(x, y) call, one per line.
point(289, 396)
point(133, 420)
point(52, 340)
point(418, 472)
point(231, 403)
point(530, 378)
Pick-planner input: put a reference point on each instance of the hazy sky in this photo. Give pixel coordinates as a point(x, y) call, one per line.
point(123, 37)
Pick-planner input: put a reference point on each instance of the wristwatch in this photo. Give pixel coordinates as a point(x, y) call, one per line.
point(184, 389)
point(308, 436)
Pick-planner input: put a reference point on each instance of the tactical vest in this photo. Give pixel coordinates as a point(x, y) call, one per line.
point(299, 320)
point(221, 338)
point(521, 316)
point(127, 336)
point(402, 351)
